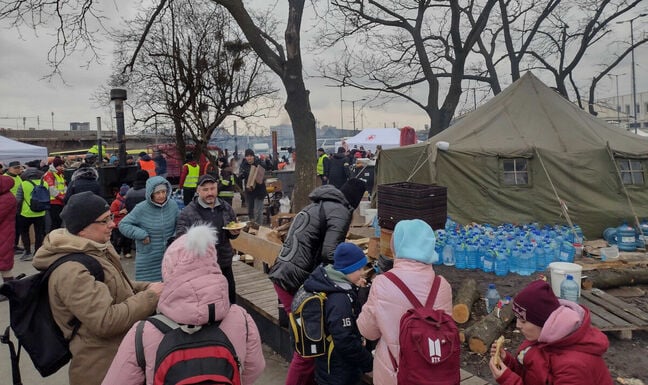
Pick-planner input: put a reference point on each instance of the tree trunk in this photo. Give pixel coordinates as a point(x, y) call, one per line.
point(463, 302)
point(481, 334)
point(609, 278)
point(303, 123)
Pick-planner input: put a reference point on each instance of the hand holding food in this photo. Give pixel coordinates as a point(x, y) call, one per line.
point(497, 356)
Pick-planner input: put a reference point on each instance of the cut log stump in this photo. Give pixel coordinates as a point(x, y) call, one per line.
point(609, 278)
point(466, 297)
point(481, 334)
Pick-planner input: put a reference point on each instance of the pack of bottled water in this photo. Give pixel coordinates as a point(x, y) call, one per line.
point(507, 248)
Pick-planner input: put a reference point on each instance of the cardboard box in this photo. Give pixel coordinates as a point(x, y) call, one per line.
point(280, 219)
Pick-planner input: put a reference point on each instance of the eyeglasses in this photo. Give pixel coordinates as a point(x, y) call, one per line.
point(106, 220)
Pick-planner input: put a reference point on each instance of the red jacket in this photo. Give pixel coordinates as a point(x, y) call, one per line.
point(116, 206)
point(58, 194)
point(575, 359)
point(8, 209)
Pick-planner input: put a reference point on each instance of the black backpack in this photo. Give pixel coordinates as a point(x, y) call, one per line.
point(40, 197)
point(190, 353)
point(32, 322)
point(307, 325)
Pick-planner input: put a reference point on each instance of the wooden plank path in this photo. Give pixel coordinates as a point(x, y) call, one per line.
point(254, 291)
point(611, 314)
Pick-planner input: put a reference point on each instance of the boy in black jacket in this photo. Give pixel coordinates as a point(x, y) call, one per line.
point(340, 282)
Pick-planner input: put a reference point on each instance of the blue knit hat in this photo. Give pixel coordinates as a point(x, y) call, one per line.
point(348, 258)
point(414, 239)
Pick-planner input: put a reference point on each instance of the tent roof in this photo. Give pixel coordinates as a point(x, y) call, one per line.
point(12, 150)
point(527, 114)
point(369, 138)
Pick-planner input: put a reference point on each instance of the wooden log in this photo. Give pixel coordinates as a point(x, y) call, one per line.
point(464, 300)
point(481, 334)
point(609, 278)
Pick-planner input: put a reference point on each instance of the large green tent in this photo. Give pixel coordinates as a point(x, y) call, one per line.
point(514, 160)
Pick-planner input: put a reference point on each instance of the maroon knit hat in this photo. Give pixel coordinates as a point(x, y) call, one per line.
point(535, 303)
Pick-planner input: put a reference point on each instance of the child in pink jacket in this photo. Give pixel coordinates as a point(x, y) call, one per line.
point(192, 282)
point(413, 246)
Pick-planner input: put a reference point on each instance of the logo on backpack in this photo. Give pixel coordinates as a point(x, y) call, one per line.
point(40, 197)
point(190, 354)
point(429, 342)
point(32, 322)
point(307, 324)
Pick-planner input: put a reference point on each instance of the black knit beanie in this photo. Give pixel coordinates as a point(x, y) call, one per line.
point(353, 191)
point(82, 209)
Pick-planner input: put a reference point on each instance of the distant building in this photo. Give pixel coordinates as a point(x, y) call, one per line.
point(79, 126)
point(618, 110)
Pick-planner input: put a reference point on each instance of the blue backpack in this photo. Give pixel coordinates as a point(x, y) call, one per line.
point(40, 197)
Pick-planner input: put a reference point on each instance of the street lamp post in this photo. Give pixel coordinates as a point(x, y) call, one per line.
point(634, 84)
point(618, 107)
point(353, 102)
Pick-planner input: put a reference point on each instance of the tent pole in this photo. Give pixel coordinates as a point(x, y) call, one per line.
point(625, 191)
point(563, 206)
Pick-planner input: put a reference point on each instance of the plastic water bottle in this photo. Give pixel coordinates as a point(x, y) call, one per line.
point(569, 289)
point(376, 226)
point(567, 252)
point(472, 256)
point(460, 255)
point(492, 297)
point(626, 237)
point(448, 254)
point(501, 263)
point(488, 265)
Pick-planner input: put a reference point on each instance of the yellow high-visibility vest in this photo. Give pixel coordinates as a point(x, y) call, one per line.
point(193, 173)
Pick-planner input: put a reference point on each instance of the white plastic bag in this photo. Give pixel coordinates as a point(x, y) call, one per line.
point(284, 205)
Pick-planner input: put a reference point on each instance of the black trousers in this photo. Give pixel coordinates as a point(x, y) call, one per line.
point(39, 232)
point(188, 194)
point(55, 217)
point(231, 285)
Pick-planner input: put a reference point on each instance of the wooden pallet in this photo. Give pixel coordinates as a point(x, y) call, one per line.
point(610, 314)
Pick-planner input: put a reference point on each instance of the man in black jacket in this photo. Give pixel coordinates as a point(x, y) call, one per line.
point(207, 208)
point(312, 238)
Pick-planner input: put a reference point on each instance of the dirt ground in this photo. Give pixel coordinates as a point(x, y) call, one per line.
point(626, 359)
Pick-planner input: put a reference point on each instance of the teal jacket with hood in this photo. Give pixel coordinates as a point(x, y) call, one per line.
point(153, 220)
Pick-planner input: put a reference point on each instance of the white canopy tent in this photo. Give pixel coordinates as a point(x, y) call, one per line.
point(369, 138)
point(12, 150)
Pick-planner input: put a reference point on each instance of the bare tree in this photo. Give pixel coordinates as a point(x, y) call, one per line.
point(408, 49)
point(73, 27)
point(194, 70)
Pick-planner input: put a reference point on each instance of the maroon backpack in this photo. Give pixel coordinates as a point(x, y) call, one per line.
point(430, 351)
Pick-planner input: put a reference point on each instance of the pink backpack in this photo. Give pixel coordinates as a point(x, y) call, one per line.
point(430, 351)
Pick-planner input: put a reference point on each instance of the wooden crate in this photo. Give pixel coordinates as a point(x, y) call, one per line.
point(611, 314)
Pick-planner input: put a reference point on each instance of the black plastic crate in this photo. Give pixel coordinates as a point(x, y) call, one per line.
point(412, 195)
point(412, 190)
point(388, 215)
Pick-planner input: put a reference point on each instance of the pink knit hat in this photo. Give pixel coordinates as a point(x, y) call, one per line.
point(192, 251)
point(535, 303)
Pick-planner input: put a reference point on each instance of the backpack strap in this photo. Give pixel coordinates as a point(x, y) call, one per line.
point(404, 289)
point(139, 345)
point(413, 300)
point(15, 357)
point(90, 263)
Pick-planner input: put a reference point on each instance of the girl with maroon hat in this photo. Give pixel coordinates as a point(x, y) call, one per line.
point(561, 346)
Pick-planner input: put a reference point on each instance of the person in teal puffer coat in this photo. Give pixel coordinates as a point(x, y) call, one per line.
point(151, 224)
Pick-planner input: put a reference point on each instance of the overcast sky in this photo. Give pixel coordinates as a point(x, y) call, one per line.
point(24, 92)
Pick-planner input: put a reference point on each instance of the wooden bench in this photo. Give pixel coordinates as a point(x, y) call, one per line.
point(611, 314)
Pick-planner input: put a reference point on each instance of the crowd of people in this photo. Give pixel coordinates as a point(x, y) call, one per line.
point(183, 273)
